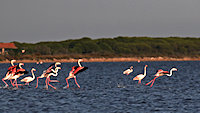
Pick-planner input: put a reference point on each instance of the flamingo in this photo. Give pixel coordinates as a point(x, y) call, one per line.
point(75, 70)
point(141, 76)
point(10, 72)
point(171, 71)
point(159, 74)
point(29, 79)
point(46, 72)
point(128, 71)
point(52, 73)
point(18, 73)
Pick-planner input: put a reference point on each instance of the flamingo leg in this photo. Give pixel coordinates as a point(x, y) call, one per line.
point(20, 84)
point(139, 82)
point(53, 80)
point(76, 82)
point(37, 82)
point(5, 82)
point(12, 83)
point(67, 83)
point(27, 83)
point(46, 83)
point(16, 83)
point(149, 82)
point(50, 84)
point(153, 81)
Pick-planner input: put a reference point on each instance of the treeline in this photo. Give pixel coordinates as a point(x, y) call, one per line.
point(110, 47)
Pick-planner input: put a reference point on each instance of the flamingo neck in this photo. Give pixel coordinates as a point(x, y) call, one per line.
point(56, 64)
point(33, 74)
point(79, 63)
point(145, 71)
point(56, 70)
point(12, 62)
point(20, 66)
point(170, 74)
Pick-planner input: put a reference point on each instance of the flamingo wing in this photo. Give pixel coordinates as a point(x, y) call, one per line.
point(139, 77)
point(126, 71)
point(12, 69)
point(79, 69)
point(25, 79)
point(21, 71)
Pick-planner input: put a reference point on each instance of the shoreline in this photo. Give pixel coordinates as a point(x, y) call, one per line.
point(122, 59)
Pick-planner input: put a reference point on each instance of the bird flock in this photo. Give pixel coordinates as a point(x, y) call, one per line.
point(16, 71)
point(159, 73)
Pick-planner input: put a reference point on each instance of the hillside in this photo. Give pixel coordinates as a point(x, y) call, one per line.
point(108, 47)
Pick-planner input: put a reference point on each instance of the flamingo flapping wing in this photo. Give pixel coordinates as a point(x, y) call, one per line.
point(79, 69)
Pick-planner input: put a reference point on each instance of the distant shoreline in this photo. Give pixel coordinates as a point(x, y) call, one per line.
point(123, 59)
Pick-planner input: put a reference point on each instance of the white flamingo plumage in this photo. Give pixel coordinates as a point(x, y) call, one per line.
point(128, 71)
point(141, 76)
point(29, 78)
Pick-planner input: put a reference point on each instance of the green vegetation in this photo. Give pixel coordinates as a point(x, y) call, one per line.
point(109, 47)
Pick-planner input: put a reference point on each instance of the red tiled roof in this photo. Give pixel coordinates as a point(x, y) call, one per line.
point(8, 45)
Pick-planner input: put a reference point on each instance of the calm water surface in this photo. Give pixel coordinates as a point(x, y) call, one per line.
point(105, 89)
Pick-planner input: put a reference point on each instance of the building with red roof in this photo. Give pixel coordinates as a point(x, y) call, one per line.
point(4, 46)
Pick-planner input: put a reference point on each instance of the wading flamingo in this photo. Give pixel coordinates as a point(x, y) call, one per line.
point(52, 73)
point(11, 70)
point(128, 71)
point(75, 70)
point(159, 74)
point(141, 76)
point(46, 72)
point(18, 73)
point(29, 79)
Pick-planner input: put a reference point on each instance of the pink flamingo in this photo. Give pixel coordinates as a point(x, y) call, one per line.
point(75, 70)
point(29, 79)
point(11, 71)
point(46, 72)
point(128, 71)
point(141, 76)
point(18, 73)
point(159, 74)
point(53, 73)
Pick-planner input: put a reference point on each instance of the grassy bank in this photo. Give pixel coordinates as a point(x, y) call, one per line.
point(122, 59)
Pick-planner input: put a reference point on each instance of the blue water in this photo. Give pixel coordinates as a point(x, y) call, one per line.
point(105, 89)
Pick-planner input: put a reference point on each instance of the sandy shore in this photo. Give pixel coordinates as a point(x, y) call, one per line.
point(110, 60)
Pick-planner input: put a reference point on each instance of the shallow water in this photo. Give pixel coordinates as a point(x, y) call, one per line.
point(105, 89)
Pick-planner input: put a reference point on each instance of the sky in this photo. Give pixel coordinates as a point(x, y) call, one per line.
point(56, 20)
